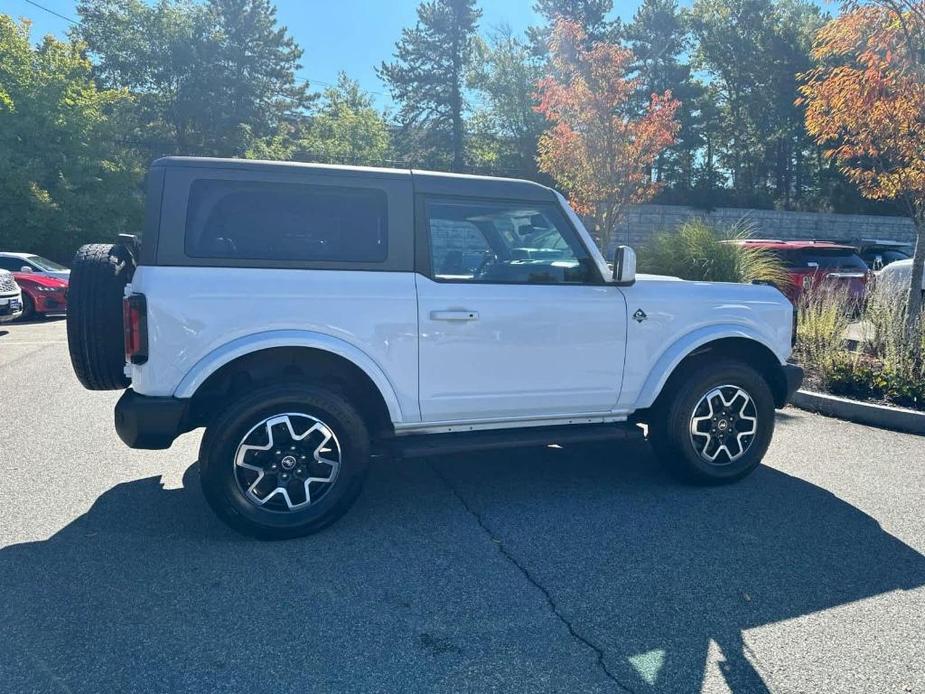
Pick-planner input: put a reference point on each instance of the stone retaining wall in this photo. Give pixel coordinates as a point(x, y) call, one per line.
point(642, 221)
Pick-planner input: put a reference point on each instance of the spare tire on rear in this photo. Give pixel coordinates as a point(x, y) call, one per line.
point(95, 340)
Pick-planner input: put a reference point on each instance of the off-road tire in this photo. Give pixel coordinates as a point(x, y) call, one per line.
point(670, 422)
point(95, 339)
point(218, 470)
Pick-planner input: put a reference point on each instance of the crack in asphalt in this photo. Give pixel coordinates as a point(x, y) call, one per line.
point(599, 652)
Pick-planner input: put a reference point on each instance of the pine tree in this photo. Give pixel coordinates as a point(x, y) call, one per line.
point(428, 78)
point(250, 65)
point(659, 38)
point(590, 15)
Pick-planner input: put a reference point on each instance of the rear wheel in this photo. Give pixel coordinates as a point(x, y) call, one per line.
point(284, 461)
point(98, 277)
point(716, 425)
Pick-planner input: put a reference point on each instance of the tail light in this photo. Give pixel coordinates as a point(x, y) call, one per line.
point(135, 326)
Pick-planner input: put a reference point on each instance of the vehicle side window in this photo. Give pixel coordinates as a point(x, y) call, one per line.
point(893, 256)
point(517, 243)
point(12, 264)
point(286, 221)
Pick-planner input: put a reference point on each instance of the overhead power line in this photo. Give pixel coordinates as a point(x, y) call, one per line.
point(56, 14)
point(299, 78)
point(310, 81)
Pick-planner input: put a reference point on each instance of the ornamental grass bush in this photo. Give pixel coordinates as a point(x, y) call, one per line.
point(821, 327)
point(697, 251)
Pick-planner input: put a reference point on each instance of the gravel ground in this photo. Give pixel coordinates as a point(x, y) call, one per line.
point(543, 570)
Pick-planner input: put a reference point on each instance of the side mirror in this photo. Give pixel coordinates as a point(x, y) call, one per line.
point(624, 266)
point(25, 268)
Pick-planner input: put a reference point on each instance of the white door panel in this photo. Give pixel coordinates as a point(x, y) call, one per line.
point(511, 350)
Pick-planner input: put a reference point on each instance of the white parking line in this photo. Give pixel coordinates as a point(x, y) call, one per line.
point(32, 342)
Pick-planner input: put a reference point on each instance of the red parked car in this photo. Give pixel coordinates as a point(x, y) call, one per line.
point(41, 294)
point(813, 263)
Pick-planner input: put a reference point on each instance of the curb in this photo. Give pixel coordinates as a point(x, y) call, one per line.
point(893, 418)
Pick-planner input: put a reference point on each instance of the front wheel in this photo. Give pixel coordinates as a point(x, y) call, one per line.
point(28, 308)
point(716, 425)
point(284, 461)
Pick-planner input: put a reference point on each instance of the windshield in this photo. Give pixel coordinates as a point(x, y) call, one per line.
point(45, 264)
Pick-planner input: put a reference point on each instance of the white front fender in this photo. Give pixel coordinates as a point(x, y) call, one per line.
point(669, 359)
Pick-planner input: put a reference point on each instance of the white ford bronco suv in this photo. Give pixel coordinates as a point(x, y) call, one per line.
point(311, 317)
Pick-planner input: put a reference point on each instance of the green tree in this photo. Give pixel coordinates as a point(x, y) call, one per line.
point(506, 125)
point(428, 78)
point(251, 65)
point(63, 179)
point(659, 38)
point(591, 15)
point(209, 79)
point(751, 51)
point(346, 129)
point(792, 167)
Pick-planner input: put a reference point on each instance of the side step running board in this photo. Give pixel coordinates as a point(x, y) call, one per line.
point(422, 445)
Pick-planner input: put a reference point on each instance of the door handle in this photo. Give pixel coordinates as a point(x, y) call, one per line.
point(454, 315)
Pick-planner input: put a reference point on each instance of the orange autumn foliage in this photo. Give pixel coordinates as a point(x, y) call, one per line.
point(866, 104)
point(597, 148)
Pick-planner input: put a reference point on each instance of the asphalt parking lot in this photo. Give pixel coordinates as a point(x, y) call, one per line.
point(578, 569)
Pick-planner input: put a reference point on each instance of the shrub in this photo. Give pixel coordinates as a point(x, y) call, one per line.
point(899, 346)
point(847, 374)
point(696, 251)
point(821, 329)
point(890, 363)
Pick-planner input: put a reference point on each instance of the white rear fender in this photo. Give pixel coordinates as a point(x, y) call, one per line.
point(250, 344)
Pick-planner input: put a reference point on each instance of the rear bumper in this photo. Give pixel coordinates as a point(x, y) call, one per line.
point(149, 422)
point(793, 375)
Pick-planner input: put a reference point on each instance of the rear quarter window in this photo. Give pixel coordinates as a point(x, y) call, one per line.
point(824, 259)
point(253, 220)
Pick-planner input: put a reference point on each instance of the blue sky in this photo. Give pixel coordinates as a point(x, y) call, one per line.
point(349, 35)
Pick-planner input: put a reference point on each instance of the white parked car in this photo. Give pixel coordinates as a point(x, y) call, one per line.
point(10, 297)
point(310, 317)
point(29, 262)
point(896, 276)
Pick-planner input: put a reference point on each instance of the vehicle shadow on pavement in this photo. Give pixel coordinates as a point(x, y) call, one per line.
point(575, 569)
point(650, 572)
point(785, 418)
point(41, 319)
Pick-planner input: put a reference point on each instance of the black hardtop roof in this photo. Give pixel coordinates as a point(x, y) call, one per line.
point(435, 182)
